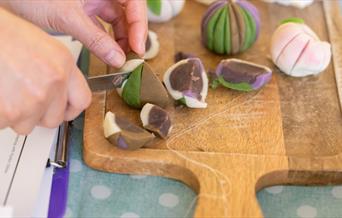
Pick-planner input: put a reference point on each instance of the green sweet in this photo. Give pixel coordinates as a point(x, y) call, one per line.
point(230, 27)
point(131, 90)
point(211, 29)
point(250, 33)
point(219, 34)
point(155, 6)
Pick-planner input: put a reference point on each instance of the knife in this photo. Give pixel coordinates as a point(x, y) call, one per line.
point(117, 78)
point(107, 82)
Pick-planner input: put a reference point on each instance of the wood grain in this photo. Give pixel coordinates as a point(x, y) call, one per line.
point(289, 132)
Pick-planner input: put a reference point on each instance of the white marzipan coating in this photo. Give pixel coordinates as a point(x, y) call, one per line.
point(144, 114)
point(154, 49)
point(109, 125)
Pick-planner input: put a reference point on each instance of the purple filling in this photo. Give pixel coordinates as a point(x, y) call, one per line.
point(122, 143)
point(190, 93)
point(187, 78)
point(234, 71)
point(253, 10)
point(262, 80)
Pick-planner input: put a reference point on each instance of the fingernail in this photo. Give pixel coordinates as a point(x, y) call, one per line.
point(115, 58)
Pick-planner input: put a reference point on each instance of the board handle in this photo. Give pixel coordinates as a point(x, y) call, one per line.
point(237, 198)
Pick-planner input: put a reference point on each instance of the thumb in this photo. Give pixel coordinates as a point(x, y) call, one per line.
point(95, 39)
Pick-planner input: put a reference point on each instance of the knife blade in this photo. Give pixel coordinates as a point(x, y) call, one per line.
point(107, 81)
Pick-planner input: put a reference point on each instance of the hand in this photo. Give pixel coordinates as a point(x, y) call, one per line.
point(79, 19)
point(39, 82)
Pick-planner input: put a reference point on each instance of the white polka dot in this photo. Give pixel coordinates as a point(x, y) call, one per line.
point(138, 176)
point(68, 213)
point(75, 166)
point(129, 215)
point(168, 200)
point(100, 192)
point(307, 211)
point(337, 192)
point(275, 189)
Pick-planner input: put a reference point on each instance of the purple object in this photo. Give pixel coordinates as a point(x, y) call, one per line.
point(262, 80)
point(235, 71)
point(59, 192)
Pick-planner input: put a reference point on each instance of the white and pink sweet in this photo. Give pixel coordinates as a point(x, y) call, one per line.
point(297, 51)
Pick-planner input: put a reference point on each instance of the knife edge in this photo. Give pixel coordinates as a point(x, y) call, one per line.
point(107, 81)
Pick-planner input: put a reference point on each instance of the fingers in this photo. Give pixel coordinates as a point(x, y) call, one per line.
point(25, 127)
point(136, 15)
point(98, 41)
point(24, 121)
point(97, 23)
point(54, 114)
point(65, 105)
point(79, 95)
point(114, 15)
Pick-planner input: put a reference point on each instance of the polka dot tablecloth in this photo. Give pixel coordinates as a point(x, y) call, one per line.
point(98, 194)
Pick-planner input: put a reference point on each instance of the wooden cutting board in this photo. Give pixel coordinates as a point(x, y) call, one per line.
point(290, 132)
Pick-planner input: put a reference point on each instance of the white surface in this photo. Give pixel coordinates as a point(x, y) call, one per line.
point(27, 168)
point(10, 147)
point(6, 212)
point(42, 204)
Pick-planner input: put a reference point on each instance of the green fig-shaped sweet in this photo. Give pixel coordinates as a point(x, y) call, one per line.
point(143, 86)
point(230, 26)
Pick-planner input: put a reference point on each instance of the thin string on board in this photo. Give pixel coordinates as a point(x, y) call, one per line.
point(220, 177)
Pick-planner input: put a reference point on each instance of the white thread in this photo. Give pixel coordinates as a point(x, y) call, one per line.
point(217, 173)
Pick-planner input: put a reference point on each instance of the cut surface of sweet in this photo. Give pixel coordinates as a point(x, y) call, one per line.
point(187, 82)
point(241, 75)
point(143, 86)
point(156, 120)
point(124, 134)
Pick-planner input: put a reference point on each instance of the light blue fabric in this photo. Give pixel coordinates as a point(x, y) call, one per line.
point(97, 194)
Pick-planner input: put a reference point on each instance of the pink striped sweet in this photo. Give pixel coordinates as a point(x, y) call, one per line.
point(297, 51)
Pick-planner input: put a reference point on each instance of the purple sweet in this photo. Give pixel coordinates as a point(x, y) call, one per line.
point(241, 75)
